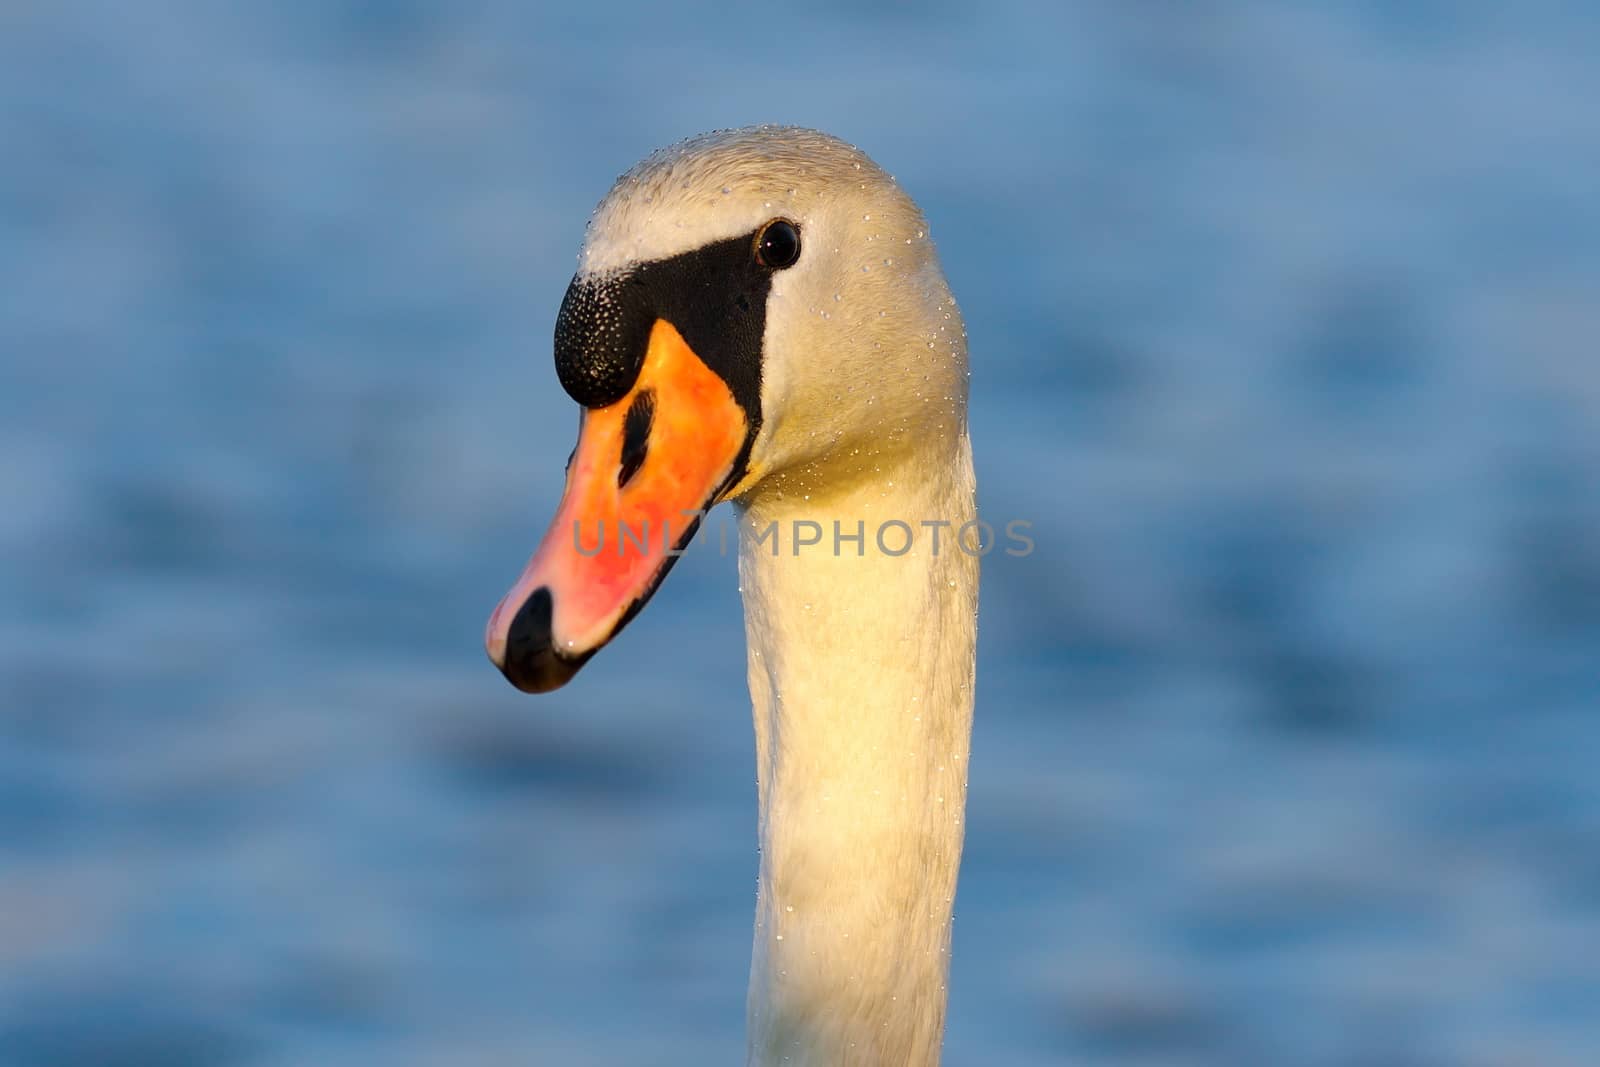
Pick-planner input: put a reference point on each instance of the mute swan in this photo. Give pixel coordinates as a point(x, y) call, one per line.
point(760, 316)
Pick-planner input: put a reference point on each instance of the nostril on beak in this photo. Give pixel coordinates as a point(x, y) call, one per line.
point(636, 436)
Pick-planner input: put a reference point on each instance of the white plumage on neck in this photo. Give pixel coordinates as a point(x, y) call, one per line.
point(861, 674)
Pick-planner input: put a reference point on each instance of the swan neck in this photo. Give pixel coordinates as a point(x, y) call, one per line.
point(861, 662)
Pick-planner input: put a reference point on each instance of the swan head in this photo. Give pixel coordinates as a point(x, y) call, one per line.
point(755, 311)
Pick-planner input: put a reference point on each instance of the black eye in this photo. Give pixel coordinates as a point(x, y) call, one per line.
point(778, 244)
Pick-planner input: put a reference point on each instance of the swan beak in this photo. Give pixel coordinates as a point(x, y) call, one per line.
point(645, 469)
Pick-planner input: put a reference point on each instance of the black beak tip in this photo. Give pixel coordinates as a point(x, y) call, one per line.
point(532, 663)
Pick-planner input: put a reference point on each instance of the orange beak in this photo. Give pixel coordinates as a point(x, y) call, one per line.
point(645, 469)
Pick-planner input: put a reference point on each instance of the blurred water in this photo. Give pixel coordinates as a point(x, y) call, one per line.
point(1284, 334)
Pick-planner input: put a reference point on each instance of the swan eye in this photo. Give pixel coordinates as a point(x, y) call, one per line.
point(778, 244)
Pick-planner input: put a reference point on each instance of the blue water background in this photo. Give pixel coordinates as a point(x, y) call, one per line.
point(1285, 330)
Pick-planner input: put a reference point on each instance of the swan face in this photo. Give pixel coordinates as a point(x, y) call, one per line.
point(755, 310)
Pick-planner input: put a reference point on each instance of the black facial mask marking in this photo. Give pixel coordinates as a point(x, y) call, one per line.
point(716, 298)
